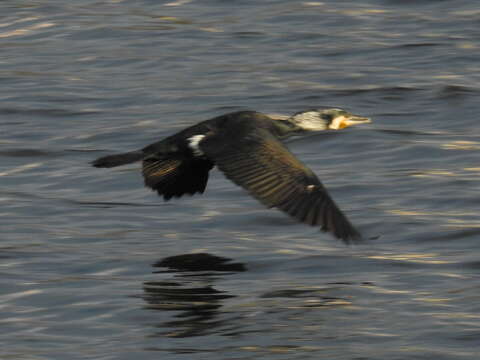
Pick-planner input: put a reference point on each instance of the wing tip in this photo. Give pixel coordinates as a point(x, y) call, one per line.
point(349, 236)
point(353, 239)
point(343, 231)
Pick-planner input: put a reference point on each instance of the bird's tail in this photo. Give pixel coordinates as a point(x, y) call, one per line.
point(118, 159)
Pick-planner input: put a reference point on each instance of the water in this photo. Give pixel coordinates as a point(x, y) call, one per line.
point(84, 251)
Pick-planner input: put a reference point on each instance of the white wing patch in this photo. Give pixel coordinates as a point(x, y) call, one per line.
point(193, 144)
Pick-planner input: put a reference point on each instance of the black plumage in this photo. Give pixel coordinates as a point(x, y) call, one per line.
point(246, 146)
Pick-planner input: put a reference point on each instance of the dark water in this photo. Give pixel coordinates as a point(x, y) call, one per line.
point(85, 254)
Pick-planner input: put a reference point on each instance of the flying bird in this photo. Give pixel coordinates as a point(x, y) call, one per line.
point(247, 147)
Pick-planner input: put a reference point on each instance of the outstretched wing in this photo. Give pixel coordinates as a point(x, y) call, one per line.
point(174, 176)
point(257, 161)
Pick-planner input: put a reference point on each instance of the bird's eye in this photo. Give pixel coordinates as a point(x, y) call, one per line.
point(327, 117)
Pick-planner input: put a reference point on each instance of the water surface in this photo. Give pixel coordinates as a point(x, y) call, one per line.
point(86, 254)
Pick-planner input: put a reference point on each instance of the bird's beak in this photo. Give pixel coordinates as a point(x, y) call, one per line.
point(344, 121)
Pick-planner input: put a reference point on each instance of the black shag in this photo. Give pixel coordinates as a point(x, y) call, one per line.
point(246, 146)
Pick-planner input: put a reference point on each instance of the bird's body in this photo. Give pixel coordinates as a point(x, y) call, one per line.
point(246, 146)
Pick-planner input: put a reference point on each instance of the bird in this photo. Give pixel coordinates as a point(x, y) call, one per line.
point(248, 147)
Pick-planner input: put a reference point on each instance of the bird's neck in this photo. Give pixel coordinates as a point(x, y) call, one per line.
point(285, 128)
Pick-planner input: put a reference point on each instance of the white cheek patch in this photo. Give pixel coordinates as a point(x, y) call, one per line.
point(337, 123)
point(309, 121)
point(193, 143)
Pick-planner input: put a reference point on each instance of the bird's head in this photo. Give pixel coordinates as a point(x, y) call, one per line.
point(326, 119)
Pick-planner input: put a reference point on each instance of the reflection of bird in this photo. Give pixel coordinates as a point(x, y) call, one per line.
point(246, 147)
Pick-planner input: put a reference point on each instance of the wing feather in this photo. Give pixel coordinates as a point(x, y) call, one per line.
point(257, 161)
point(175, 176)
